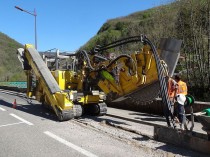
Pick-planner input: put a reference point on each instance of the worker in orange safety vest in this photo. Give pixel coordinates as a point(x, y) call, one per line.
point(179, 89)
point(175, 87)
point(182, 86)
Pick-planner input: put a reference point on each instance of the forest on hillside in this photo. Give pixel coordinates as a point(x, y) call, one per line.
point(188, 20)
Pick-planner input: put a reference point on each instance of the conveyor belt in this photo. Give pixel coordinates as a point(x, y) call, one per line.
point(44, 71)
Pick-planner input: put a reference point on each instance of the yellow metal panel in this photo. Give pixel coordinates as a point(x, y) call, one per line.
point(71, 80)
point(60, 78)
point(90, 99)
point(103, 86)
point(63, 102)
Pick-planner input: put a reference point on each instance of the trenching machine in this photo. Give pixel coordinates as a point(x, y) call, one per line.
point(94, 78)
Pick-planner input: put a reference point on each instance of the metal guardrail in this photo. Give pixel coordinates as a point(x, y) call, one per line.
point(18, 84)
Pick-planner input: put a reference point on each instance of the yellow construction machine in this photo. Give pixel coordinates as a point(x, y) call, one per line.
point(92, 77)
point(60, 90)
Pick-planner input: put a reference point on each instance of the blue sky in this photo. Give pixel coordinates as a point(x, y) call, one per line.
point(63, 24)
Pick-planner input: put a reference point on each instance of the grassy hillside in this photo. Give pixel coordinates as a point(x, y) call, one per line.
point(10, 67)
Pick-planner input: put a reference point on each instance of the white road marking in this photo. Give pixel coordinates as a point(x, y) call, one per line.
point(71, 145)
point(2, 109)
point(10, 124)
point(23, 120)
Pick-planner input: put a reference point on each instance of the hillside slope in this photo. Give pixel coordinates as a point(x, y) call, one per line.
point(10, 67)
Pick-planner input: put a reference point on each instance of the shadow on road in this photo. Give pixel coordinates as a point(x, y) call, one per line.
point(144, 114)
point(101, 119)
point(38, 110)
point(151, 119)
point(14, 93)
point(143, 138)
point(180, 151)
point(34, 109)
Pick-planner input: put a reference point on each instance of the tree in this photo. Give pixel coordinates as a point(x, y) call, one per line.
point(191, 28)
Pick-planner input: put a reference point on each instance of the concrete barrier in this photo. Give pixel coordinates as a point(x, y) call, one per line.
point(182, 139)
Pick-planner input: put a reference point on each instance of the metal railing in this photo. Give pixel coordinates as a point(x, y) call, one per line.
point(17, 84)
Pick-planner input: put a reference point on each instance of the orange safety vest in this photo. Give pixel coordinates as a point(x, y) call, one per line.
point(182, 88)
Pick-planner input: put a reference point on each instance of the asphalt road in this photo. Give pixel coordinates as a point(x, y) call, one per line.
point(31, 131)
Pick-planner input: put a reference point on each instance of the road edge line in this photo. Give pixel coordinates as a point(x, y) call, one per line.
point(21, 119)
point(2, 109)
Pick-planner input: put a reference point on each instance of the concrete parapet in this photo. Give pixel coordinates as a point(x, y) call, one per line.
point(182, 139)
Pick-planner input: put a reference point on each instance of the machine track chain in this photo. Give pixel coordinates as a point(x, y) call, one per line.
point(65, 115)
point(99, 109)
point(103, 109)
point(78, 110)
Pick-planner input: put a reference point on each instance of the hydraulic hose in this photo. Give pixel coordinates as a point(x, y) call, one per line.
point(87, 59)
point(119, 42)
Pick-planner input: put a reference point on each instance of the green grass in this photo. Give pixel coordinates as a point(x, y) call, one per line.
point(10, 67)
